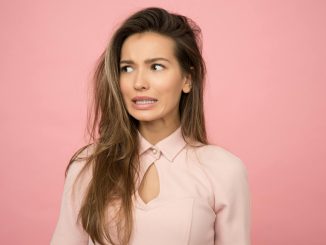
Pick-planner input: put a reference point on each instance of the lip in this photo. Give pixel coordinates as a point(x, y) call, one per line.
point(143, 106)
point(134, 99)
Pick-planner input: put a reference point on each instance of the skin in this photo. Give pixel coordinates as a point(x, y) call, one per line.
point(161, 79)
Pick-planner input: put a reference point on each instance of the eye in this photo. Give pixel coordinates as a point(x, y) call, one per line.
point(126, 69)
point(157, 67)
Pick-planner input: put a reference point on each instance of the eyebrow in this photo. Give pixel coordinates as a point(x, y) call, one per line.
point(146, 61)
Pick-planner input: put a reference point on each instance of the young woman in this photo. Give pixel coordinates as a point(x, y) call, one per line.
point(150, 177)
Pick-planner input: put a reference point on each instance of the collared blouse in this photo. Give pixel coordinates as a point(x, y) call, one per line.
point(204, 198)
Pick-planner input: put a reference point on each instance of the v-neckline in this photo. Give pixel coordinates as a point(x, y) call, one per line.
point(141, 204)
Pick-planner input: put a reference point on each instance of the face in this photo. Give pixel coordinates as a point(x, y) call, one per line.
point(151, 79)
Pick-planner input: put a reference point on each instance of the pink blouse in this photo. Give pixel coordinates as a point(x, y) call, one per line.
point(204, 198)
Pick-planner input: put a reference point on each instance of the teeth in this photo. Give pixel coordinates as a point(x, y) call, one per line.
point(142, 102)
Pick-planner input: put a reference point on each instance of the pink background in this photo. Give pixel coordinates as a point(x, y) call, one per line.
point(265, 102)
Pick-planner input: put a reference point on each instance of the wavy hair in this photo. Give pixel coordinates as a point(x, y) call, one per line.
point(114, 160)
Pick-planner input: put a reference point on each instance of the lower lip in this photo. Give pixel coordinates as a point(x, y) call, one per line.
point(143, 106)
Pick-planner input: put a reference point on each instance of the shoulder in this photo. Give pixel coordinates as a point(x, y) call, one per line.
point(79, 170)
point(219, 158)
point(223, 167)
point(79, 159)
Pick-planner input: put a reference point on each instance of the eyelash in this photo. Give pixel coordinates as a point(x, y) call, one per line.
point(122, 69)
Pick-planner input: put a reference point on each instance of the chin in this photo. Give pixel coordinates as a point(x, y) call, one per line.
point(143, 118)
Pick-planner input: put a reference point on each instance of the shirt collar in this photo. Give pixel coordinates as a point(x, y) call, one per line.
point(169, 146)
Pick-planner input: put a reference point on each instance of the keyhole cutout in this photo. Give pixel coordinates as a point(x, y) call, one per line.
point(150, 185)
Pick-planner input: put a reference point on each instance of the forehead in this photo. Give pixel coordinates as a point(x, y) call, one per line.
point(145, 45)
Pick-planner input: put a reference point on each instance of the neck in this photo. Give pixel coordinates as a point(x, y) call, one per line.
point(155, 132)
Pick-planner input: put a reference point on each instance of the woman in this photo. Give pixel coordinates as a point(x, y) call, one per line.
point(150, 177)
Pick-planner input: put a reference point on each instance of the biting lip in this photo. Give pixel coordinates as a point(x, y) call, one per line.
point(142, 103)
point(137, 98)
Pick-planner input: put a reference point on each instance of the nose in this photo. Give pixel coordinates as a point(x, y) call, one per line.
point(141, 82)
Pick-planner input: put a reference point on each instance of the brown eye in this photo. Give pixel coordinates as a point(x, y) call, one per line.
point(157, 67)
point(126, 69)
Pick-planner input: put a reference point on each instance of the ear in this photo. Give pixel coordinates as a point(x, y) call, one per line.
point(187, 84)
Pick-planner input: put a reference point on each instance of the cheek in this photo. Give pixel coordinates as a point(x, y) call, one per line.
point(170, 82)
point(171, 89)
point(124, 89)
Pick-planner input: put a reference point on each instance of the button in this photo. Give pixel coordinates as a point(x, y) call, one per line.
point(156, 153)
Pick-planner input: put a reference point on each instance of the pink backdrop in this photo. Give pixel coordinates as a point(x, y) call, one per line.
point(265, 102)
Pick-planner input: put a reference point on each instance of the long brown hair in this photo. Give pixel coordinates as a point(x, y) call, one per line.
point(114, 159)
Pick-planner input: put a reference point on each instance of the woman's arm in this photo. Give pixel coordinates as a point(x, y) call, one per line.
point(67, 230)
point(232, 224)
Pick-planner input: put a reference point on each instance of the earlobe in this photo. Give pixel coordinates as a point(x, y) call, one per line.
point(187, 85)
point(186, 89)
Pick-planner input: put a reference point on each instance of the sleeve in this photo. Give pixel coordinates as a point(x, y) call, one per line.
point(232, 224)
point(67, 230)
